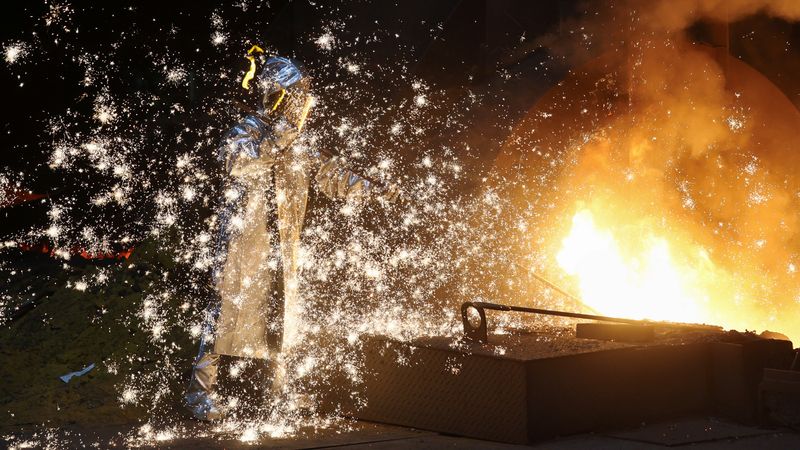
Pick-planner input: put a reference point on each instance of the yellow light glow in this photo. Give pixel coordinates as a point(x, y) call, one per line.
point(644, 285)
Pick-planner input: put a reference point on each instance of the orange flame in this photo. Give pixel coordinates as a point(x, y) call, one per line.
point(645, 285)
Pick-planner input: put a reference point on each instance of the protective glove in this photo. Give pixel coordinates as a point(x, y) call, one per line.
point(284, 133)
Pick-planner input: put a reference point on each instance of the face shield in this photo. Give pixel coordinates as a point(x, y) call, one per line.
point(287, 91)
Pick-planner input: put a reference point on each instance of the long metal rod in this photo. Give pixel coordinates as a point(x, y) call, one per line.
point(550, 312)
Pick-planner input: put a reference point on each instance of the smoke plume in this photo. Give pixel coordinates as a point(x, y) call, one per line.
point(662, 137)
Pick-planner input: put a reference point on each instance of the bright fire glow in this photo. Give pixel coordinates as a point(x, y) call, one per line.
point(645, 285)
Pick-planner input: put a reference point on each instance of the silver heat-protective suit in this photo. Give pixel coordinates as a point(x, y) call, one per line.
point(261, 148)
point(245, 260)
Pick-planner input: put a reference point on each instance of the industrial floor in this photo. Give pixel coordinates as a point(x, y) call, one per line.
point(698, 433)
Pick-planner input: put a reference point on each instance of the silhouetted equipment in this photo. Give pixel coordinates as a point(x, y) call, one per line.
point(522, 386)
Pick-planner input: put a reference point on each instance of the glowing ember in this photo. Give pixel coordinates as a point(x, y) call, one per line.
point(218, 38)
point(325, 41)
point(14, 52)
point(644, 285)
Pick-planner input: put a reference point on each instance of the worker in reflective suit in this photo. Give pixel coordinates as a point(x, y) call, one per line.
point(265, 145)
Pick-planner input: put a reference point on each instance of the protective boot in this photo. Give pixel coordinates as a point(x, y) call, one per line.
point(200, 398)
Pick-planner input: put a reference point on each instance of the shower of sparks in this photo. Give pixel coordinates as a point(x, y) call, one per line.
point(175, 75)
point(138, 166)
point(325, 42)
point(15, 52)
point(352, 68)
point(734, 123)
point(103, 112)
point(218, 38)
point(145, 165)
